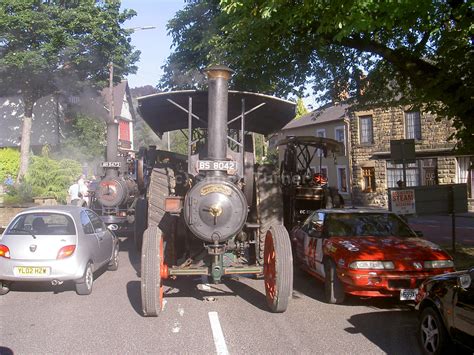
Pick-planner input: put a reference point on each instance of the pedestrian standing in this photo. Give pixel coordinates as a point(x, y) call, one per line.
point(73, 192)
point(83, 189)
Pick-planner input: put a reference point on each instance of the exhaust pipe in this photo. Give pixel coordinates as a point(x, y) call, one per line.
point(56, 282)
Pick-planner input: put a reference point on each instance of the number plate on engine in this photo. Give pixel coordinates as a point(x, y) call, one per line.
point(408, 294)
point(111, 164)
point(210, 165)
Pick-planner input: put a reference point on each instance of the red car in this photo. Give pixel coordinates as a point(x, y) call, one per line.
point(366, 253)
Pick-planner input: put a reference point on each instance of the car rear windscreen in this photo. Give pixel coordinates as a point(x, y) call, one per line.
point(42, 223)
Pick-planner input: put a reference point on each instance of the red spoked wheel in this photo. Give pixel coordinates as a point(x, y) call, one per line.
point(153, 271)
point(278, 268)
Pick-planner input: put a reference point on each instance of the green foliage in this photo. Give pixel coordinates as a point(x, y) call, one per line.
point(301, 109)
point(52, 178)
point(9, 163)
point(50, 43)
point(59, 46)
point(86, 141)
point(381, 53)
point(18, 194)
point(178, 142)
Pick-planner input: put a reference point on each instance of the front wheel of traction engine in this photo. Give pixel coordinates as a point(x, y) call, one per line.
point(278, 268)
point(151, 267)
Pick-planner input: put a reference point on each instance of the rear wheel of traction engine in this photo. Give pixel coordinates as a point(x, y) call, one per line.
point(278, 269)
point(333, 288)
point(151, 268)
point(269, 205)
point(141, 210)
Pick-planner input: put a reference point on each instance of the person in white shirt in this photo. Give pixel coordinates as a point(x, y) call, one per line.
point(73, 192)
point(83, 189)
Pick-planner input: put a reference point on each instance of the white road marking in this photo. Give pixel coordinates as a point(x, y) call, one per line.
point(217, 334)
point(164, 304)
point(181, 311)
point(176, 328)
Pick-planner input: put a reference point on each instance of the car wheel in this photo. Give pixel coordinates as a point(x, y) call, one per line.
point(433, 336)
point(333, 288)
point(4, 288)
point(84, 286)
point(114, 262)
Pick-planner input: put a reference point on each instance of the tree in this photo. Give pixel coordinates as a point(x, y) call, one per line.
point(379, 52)
point(301, 109)
point(85, 140)
point(56, 46)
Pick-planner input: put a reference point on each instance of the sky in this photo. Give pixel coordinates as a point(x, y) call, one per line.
point(154, 44)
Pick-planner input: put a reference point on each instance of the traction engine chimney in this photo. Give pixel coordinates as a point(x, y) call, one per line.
point(218, 77)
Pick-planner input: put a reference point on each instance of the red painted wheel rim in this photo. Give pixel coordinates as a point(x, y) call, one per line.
point(269, 268)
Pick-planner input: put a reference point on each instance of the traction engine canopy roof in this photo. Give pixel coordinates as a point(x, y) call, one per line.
point(162, 115)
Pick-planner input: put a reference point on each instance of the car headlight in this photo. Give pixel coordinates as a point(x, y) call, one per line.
point(438, 264)
point(378, 265)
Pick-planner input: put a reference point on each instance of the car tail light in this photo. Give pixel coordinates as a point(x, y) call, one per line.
point(4, 251)
point(66, 251)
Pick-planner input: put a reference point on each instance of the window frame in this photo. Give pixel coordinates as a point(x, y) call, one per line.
point(344, 136)
point(339, 181)
point(370, 139)
point(413, 131)
point(371, 186)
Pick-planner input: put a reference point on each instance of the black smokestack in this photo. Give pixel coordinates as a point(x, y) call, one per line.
point(218, 77)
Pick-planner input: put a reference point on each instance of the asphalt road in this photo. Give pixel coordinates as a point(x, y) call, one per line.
point(37, 319)
point(439, 228)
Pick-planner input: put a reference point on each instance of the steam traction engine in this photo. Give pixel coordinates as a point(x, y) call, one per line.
point(212, 212)
point(304, 189)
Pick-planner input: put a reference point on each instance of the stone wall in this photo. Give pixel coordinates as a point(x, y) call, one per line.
point(389, 124)
point(7, 213)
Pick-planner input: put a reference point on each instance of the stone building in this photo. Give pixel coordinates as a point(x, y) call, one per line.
point(367, 136)
point(372, 168)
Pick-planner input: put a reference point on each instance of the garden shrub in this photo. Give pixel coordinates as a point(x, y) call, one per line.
point(52, 178)
point(9, 163)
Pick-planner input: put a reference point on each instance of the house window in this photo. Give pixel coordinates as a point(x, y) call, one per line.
point(339, 135)
point(321, 132)
point(368, 174)
point(395, 173)
point(413, 125)
point(429, 172)
point(342, 178)
point(366, 129)
point(124, 128)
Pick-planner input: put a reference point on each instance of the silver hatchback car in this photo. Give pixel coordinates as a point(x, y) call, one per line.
point(57, 244)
